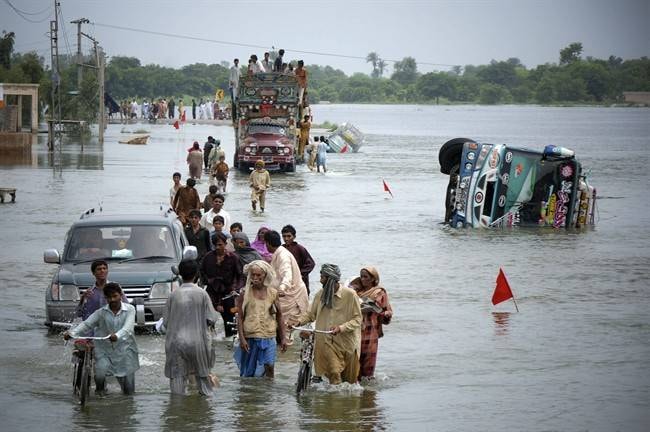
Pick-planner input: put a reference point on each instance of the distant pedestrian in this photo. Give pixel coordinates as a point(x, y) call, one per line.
point(186, 200)
point(171, 108)
point(221, 171)
point(260, 181)
point(305, 127)
point(321, 155)
point(301, 76)
point(299, 252)
point(193, 109)
point(312, 151)
point(176, 177)
point(277, 64)
point(233, 80)
point(266, 63)
point(198, 236)
point(195, 161)
point(207, 148)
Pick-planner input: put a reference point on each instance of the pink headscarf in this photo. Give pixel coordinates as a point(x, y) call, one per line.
point(260, 245)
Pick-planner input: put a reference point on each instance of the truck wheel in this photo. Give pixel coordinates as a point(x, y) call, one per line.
point(291, 167)
point(243, 167)
point(450, 153)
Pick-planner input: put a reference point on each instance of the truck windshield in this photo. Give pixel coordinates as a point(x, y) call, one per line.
point(118, 242)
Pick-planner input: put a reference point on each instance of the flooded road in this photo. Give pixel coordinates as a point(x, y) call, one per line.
point(576, 357)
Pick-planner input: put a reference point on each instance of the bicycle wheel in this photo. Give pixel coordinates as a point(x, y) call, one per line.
point(85, 380)
point(304, 375)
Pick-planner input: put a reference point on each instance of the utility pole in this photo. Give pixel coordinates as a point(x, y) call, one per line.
point(79, 56)
point(101, 62)
point(54, 125)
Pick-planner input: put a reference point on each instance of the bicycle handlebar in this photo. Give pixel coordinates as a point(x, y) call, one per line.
point(310, 330)
point(90, 337)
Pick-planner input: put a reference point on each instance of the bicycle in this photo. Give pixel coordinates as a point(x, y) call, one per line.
point(307, 358)
point(83, 358)
point(234, 323)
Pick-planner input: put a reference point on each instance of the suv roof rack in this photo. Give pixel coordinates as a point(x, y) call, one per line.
point(90, 212)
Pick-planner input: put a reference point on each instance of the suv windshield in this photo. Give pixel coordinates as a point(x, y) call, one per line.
point(119, 242)
point(265, 129)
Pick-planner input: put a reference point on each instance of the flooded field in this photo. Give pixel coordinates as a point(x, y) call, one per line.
point(576, 357)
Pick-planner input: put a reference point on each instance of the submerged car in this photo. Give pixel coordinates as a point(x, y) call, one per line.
point(499, 185)
point(140, 251)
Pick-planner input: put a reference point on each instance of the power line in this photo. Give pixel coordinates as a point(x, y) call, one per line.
point(22, 13)
point(200, 39)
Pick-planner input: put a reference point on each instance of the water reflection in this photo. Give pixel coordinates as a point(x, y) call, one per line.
point(112, 412)
point(501, 323)
point(191, 413)
point(340, 410)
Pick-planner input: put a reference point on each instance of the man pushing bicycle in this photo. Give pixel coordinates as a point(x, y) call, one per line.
point(335, 308)
point(118, 354)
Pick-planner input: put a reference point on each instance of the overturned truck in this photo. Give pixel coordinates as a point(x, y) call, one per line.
point(498, 185)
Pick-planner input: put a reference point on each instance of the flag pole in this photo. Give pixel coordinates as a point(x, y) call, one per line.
point(513, 300)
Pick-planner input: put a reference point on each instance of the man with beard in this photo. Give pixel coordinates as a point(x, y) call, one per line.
point(335, 308)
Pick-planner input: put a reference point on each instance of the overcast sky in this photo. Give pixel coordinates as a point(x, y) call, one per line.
point(435, 33)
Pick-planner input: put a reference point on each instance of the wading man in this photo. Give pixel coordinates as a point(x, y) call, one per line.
point(188, 348)
point(117, 355)
point(335, 308)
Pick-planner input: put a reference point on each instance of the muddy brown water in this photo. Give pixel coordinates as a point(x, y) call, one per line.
point(576, 356)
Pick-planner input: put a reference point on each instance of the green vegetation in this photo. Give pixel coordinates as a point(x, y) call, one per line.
point(573, 80)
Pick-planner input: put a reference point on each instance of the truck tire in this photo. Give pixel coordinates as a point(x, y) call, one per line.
point(291, 168)
point(450, 153)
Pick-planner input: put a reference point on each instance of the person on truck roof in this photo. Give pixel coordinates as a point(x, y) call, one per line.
point(277, 64)
point(233, 80)
point(266, 63)
point(301, 76)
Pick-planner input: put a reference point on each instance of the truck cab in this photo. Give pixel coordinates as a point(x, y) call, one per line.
point(267, 119)
point(499, 185)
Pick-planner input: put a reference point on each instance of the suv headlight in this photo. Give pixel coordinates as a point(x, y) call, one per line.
point(65, 292)
point(162, 289)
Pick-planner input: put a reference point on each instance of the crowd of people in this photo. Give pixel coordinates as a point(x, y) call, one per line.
point(204, 109)
point(263, 285)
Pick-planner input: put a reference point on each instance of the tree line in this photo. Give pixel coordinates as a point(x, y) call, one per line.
point(573, 80)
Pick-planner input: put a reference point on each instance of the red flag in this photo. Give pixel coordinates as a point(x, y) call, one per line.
point(344, 149)
point(176, 126)
point(502, 292)
point(386, 188)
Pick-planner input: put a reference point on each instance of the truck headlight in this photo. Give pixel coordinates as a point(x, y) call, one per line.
point(65, 292)
point(160, 290)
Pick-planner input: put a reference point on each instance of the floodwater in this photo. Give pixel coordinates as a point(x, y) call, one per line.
point(576, 357)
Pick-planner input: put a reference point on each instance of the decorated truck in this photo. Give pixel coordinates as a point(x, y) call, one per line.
point(499, 185)
point(266, 122)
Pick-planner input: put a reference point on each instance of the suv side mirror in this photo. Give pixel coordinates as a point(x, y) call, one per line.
point(51, 256)
point(175, 270)
point(190, 253)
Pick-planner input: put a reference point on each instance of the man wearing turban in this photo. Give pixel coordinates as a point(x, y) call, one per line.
point(335, 308)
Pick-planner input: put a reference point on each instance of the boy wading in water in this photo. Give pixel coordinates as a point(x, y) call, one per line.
point(260, 181)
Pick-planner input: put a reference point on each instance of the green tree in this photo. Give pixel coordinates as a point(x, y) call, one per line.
point(500, 73)
point(491, 94)
point(571, 53)
point(381, 67)
point(373, 58)
point(435, 85)
point(6, 48)
point(406, 71)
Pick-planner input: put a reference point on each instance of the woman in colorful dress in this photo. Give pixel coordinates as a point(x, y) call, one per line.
point(376, 311)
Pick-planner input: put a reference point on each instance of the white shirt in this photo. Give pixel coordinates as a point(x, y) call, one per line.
point(206, 220)
point(235, 74)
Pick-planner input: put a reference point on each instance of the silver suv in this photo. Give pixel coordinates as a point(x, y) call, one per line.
point(140, 251)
